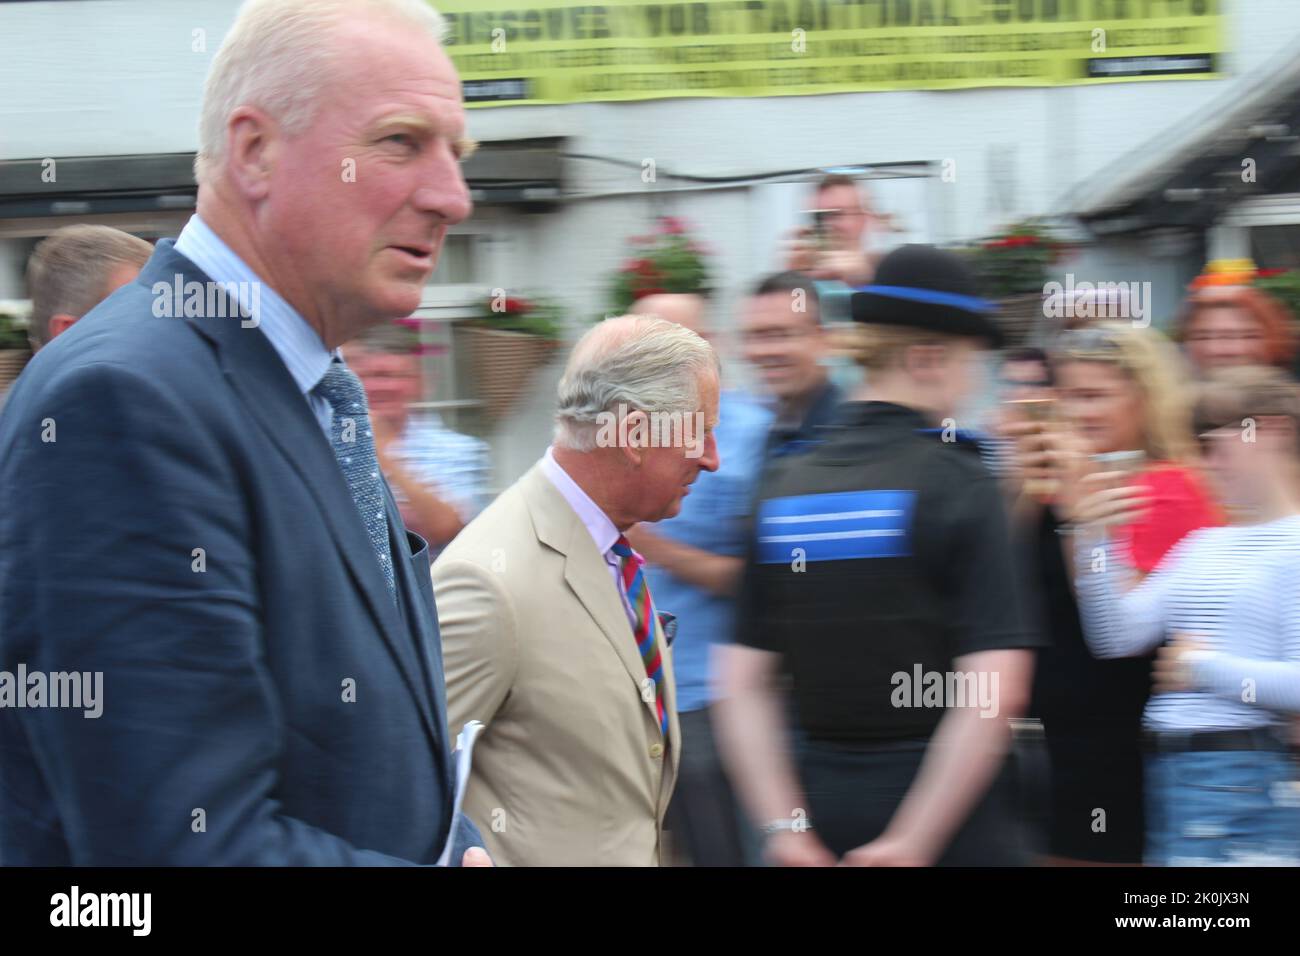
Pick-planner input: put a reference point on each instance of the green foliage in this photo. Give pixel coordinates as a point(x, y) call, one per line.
point(1283, 286)
point(531, 316)
point(13, 332)
point(668, 260)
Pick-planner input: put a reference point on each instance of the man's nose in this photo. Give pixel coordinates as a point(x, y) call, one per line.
point(444, 191)
point(710, 460)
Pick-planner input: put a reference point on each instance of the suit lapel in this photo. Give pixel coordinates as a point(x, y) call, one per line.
point(257, 374)
point(585, 571)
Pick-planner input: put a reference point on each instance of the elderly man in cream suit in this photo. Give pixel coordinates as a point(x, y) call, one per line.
point(550, 635)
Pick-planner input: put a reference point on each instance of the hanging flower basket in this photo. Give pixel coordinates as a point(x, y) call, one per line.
point(506, 344)
point(14, 348)
point(1019, 317)
point(666, 260)
point(1013, 268)
point(12, 362)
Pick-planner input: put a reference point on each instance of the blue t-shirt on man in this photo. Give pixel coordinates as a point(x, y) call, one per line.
point(714, 517)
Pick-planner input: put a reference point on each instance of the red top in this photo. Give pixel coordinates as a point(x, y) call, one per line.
point(1180, 503)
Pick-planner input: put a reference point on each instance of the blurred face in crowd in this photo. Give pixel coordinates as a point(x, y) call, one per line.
point(360, 202)
point(1224, 337)
point(1025, 380)
point(846, 219)
point(687, 310)
point(1022, 380)
point(392, 382)
point(1242, 462)
point(947, 372)
point(666, 473)
point(785, 346)
point(1104, 405)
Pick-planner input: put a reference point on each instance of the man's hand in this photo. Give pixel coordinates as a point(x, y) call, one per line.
point(888, 850)
point(476, 856)
point(788, 848)
point(850, 266)
point(1174, 663)
point(800, 250)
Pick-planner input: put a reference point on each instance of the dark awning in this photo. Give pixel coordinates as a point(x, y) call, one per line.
point(520, 172)
point(1191, 174)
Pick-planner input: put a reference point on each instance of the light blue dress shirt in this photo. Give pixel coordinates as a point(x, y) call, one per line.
point(299, 346)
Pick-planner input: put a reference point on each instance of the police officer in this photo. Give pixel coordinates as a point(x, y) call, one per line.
point(880, 585)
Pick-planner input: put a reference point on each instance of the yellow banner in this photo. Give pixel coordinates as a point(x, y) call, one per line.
point(558, 51)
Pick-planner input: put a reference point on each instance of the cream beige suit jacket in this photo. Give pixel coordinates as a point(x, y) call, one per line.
point(572, 768)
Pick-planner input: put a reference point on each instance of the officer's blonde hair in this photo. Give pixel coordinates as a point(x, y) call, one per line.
point(880, 347)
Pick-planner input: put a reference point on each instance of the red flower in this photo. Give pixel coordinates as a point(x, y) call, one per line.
point(516, 305)
point(1269, 273)
point(672, 226)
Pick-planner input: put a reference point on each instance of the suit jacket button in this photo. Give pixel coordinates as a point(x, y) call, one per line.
point(656, 750)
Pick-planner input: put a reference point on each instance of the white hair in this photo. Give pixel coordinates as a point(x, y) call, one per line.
point(277, 57)
point(635, 361)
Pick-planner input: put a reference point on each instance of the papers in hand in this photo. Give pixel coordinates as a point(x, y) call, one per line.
point(464, 755)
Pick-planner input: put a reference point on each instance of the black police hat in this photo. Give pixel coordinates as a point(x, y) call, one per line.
point(926, 288)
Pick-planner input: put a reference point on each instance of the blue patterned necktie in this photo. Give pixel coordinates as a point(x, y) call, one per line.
point(354, 448)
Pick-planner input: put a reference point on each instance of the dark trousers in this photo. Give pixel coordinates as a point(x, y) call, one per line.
point(852, 795)
point(704, 817)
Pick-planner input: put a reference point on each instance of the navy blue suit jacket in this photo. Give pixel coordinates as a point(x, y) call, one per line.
point(225, 736)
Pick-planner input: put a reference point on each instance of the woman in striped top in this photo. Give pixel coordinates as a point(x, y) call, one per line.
point(1223, 606)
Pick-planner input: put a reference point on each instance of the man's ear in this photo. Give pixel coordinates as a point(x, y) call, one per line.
point(252, 144)
point(634, 436)
point(59, 323)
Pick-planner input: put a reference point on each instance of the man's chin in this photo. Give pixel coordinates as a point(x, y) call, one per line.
point(398, 298)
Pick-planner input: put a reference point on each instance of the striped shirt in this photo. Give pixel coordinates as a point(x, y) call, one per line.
point(455, 467)
point(1237, 589)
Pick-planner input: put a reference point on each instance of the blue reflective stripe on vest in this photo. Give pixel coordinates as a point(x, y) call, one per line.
point(836, 526)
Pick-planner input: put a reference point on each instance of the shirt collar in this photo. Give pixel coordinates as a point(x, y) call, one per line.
point(598, 525)
point(294, 340)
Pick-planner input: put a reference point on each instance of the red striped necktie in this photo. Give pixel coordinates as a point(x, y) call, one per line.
point(647, 639)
